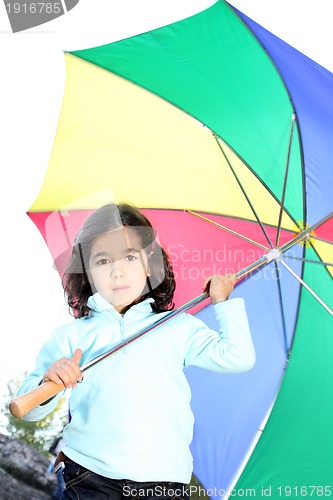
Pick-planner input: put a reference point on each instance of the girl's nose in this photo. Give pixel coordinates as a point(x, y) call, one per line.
point(117, 270)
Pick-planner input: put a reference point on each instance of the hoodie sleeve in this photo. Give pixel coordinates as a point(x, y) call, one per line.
point(55, 348)
point(230, 349)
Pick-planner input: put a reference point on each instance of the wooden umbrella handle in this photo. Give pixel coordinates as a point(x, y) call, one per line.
point(21, 405)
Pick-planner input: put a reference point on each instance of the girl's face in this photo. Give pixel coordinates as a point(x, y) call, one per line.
point(118, 267)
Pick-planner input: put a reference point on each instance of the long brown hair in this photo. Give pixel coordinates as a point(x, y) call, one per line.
point(75, 280)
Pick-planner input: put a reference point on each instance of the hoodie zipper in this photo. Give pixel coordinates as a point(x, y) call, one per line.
point(122, 333)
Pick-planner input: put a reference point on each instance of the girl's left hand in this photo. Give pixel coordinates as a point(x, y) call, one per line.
point(220, 286)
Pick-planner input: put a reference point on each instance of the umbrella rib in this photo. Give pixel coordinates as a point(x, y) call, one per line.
point(283, 317)
point(305, 234)
point(311, 261)
point(308, 288)
point(284, 188)
point(243, 190)
point(231, 231)
point(63, 213)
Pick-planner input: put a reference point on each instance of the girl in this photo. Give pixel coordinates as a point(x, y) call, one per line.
point(131, 421)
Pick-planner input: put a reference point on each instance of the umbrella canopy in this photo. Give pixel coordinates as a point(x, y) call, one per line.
point(220, 132)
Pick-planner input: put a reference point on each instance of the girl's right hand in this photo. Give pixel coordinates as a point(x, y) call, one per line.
point(65, 371)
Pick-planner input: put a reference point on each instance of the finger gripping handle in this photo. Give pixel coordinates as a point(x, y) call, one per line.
point(21, 405)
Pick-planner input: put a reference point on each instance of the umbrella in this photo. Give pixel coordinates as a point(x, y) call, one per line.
point(219, 131)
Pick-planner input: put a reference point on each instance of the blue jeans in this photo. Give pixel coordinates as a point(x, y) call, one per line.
point(56, 495)
point(83, 484)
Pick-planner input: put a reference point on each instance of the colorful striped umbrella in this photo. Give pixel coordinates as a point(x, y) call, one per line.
point(221, 133)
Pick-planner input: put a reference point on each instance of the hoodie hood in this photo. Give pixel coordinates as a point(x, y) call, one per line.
point(99, 305)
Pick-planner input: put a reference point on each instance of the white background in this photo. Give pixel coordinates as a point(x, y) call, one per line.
point(31, 87)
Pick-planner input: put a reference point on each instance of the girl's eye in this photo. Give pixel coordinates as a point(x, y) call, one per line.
point(102, 262)
point(130, 258)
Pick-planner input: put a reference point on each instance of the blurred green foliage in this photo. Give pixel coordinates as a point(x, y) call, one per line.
point(39, 434)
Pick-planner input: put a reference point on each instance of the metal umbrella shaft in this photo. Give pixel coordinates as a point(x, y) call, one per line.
point(21, 405)
point(168, 317)
point(274, 254)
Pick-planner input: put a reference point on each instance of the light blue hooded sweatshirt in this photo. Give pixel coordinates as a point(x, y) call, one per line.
point(131, 415)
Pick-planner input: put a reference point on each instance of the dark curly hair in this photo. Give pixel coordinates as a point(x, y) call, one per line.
point(75, 280)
